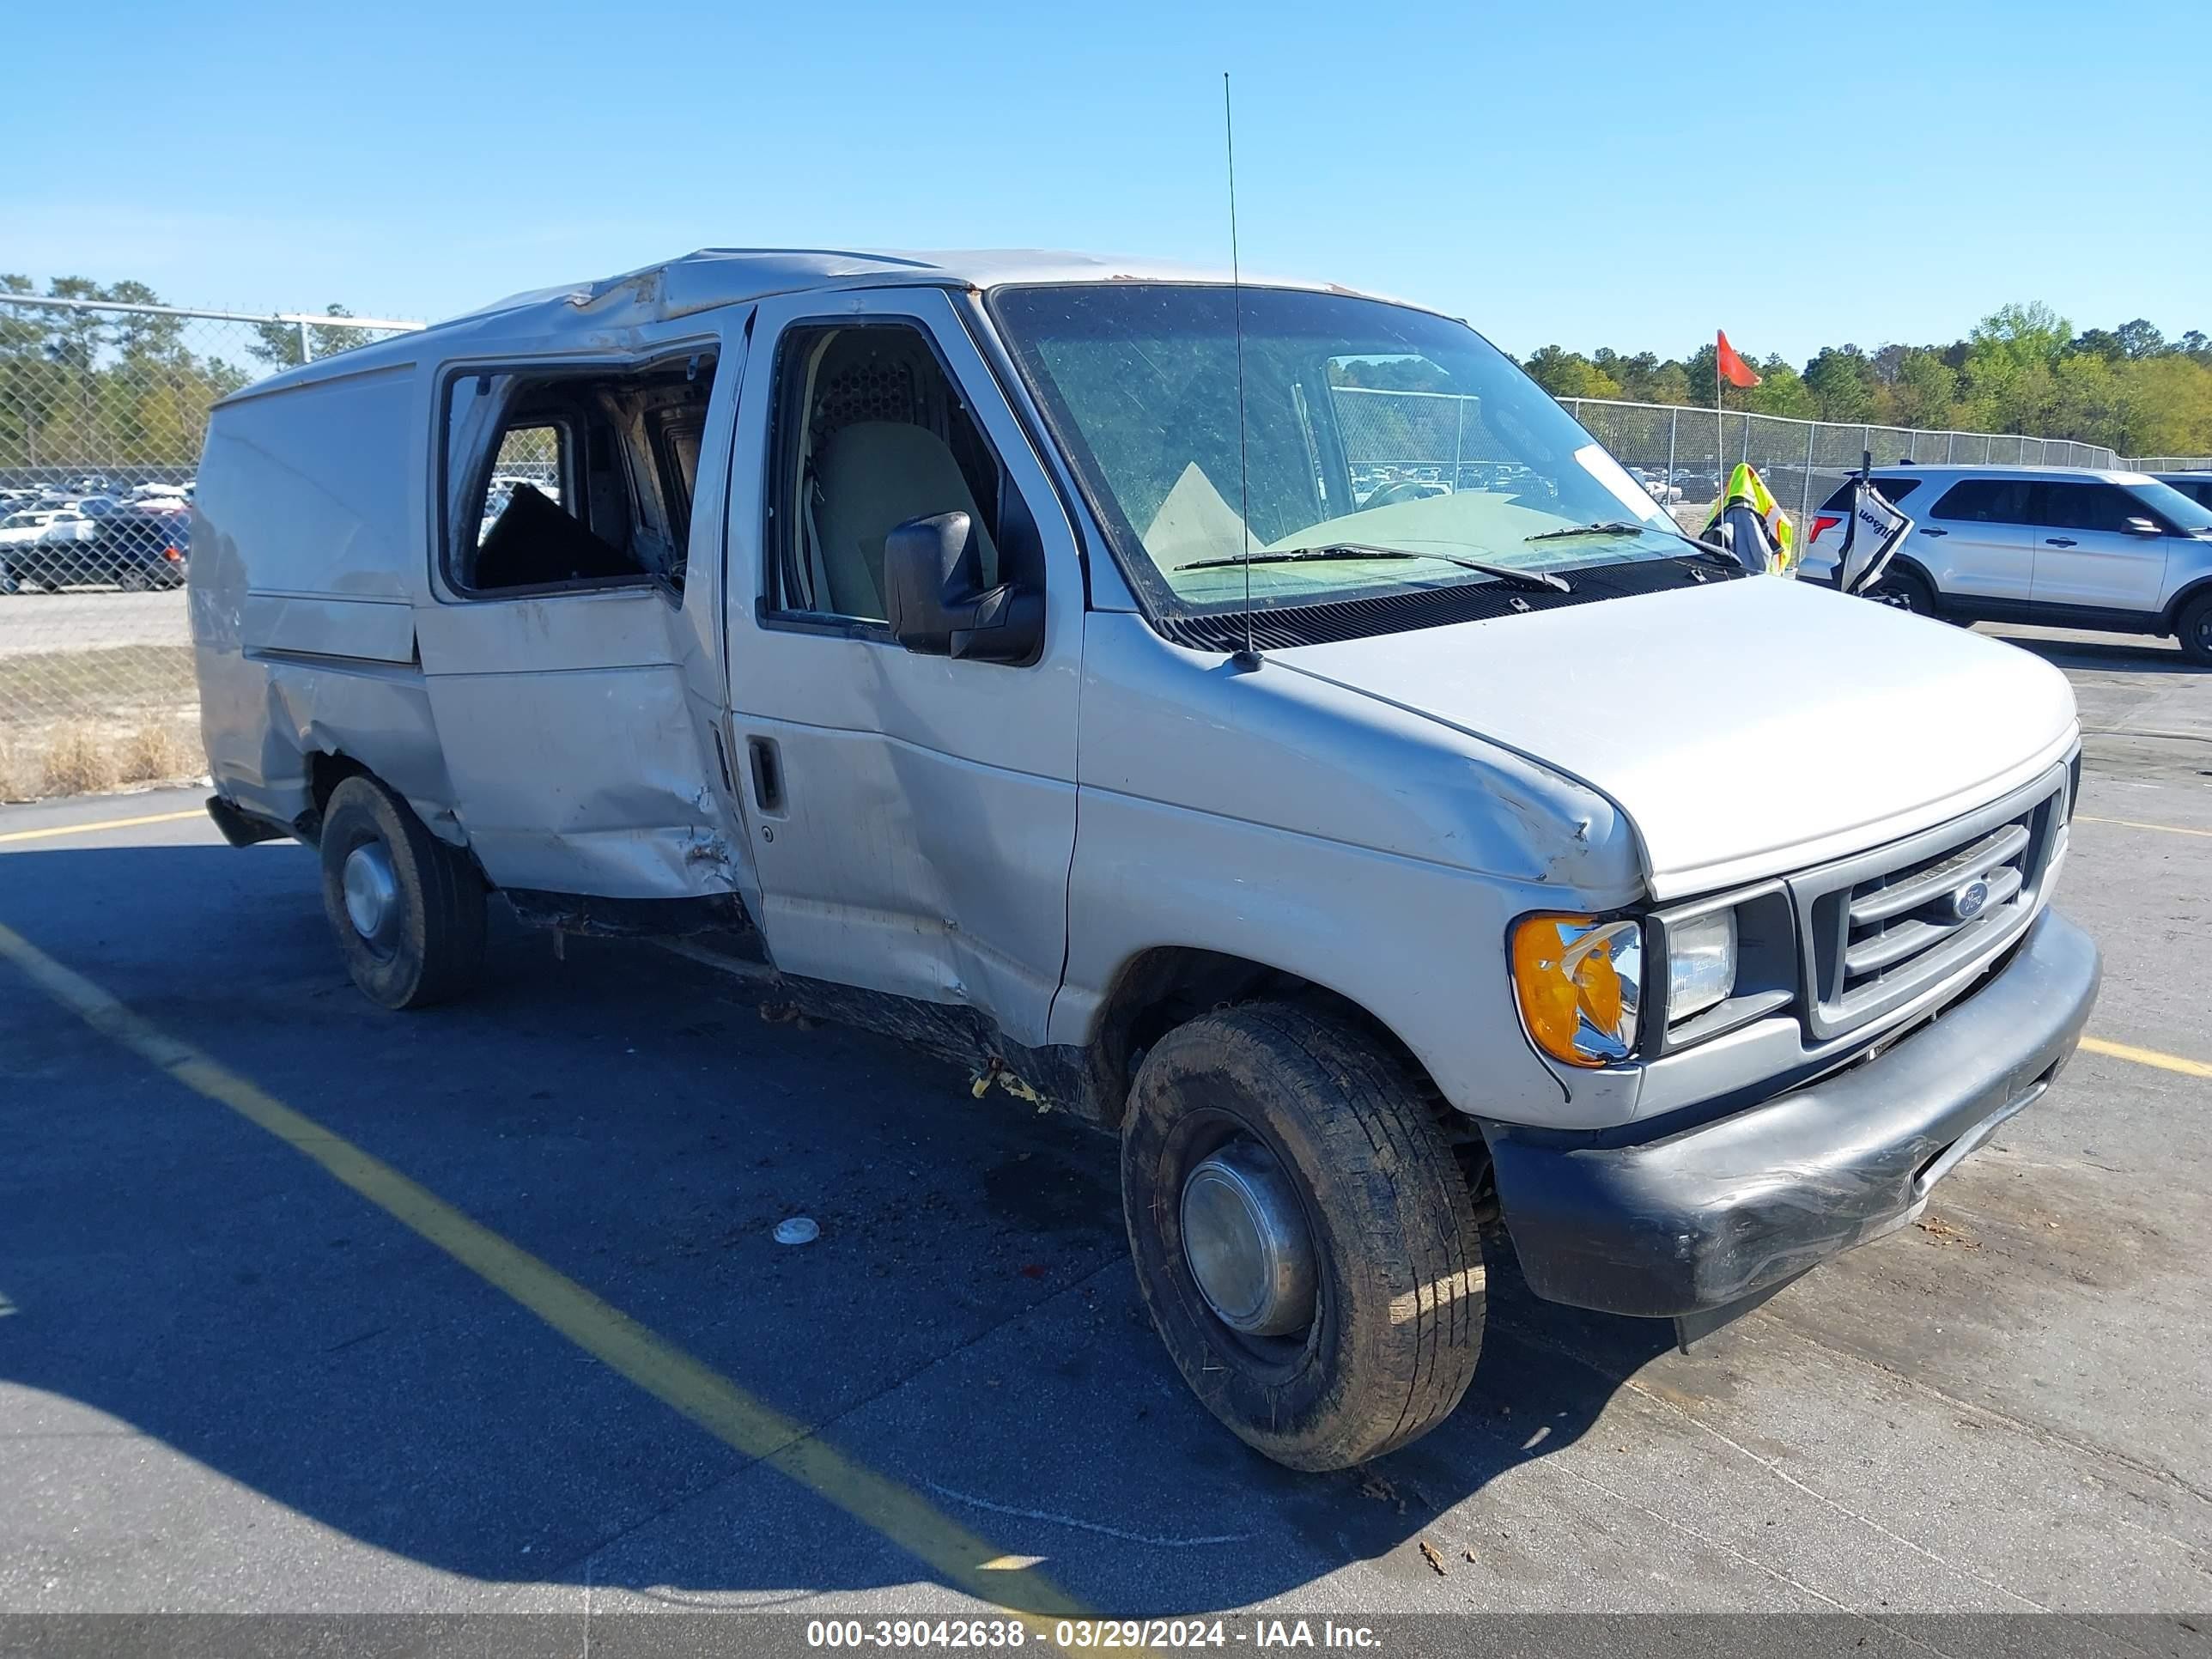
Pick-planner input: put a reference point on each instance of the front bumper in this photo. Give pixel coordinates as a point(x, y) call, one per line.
point(1717, 1214)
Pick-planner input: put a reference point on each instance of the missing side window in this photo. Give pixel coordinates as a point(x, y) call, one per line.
point(573, 477)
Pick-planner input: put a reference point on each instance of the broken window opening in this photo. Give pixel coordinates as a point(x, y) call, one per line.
point(573, 477)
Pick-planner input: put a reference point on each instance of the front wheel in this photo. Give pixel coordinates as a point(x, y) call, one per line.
point(1304, 1238)
point(408, 909)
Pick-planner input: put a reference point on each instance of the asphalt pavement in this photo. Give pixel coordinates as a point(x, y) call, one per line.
point(244, 1369)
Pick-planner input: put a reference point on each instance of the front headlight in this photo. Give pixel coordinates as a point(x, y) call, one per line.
point(1578, 980)
point(1700, 963)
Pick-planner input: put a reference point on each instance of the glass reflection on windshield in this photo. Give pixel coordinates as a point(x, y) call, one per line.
point(1366, 424)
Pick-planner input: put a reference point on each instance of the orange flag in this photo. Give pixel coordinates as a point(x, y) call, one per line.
point(1733, 368)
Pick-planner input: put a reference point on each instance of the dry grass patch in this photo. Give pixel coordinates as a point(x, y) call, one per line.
point(156, 752)
point(80, 757)
point(19, 778)
point(81, 761)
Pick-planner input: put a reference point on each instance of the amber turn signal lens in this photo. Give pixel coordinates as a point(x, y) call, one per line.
point(1579, 981)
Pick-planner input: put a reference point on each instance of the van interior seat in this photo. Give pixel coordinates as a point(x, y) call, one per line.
point(536, 541)
point(872, 477)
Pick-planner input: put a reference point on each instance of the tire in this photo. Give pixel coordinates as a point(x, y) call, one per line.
point(1908, 590)
point(2193, 627)
point(428, 944)
point(134, 579)
point(1397, 1298)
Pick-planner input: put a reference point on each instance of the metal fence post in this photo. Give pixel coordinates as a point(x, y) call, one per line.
point(307, 349)
point(1805, 502)
point(1459, 440)
point(1674, 425)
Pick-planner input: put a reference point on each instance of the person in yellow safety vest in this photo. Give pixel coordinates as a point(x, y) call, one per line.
point(1748, 522)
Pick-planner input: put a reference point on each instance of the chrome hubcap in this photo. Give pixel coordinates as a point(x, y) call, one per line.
point(372, 893)
point(1245, 1239)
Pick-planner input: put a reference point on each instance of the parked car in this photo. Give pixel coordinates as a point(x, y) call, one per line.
point(134, 548)
point(2119, 552)
point(31, 524)
point(1419, 865)
point(2197, 486)
point(26, 536)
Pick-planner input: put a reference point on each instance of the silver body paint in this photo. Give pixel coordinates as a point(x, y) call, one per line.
point(1370, 816)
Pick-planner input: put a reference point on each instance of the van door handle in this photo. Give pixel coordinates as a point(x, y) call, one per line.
point(1930, 529)
point(766, 761)
point(2057, 541)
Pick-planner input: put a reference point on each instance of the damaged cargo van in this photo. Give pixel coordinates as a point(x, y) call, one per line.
point(1255, 719)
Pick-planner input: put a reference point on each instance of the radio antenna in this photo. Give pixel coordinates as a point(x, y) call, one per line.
point(1247, 658)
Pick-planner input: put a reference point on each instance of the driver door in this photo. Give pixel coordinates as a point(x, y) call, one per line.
point(2087, 554)
point(913, 816)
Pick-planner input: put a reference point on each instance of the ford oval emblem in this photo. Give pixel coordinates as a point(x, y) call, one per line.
point(1966, 903)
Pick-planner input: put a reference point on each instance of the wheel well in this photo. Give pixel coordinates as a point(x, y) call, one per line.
point(1913, 566)
point(1162, 988)
point(326, 771)
point(2171, 620)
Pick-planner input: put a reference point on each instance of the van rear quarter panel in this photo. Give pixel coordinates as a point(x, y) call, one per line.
point(307, 560)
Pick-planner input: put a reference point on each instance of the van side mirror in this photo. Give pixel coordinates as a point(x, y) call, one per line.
point(2141, 526)
point(937, 606)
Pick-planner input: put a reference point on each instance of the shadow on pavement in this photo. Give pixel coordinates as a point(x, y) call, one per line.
point(2150, 657)
point(966, 1324)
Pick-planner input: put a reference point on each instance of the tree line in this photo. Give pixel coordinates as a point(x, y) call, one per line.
point(105, 389)
point(99, 390)
point(2022, 369)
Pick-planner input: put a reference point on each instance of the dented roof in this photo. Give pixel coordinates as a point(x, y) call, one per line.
point(601, 312)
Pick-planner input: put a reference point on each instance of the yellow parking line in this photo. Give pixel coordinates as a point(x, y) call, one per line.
point(2147, 1057)
point(602, 1330)
point(2137, 823)
point(103, 823)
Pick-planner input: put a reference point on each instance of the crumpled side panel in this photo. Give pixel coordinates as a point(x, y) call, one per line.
point(589, 781)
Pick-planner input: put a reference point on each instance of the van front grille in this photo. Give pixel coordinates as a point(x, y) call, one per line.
point(1883, 927)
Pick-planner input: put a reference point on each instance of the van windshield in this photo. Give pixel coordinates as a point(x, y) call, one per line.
point(1369, 428)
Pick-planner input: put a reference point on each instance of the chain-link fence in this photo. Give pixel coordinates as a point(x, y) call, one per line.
point(1432, 439)
point(1682, 455)
point(102, 408)
point(2169, 463)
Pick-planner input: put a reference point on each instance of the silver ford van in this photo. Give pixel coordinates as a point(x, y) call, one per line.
point(1256, 719)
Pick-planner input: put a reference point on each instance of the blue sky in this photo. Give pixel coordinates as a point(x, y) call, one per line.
point(1554, 173)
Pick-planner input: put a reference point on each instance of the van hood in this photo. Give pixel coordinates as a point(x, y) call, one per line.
point(1745, 728)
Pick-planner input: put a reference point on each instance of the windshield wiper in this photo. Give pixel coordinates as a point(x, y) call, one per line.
point(1505, 573)
point(1604, 527)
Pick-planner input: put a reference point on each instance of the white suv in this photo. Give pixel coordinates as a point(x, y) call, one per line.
point(2067, 547)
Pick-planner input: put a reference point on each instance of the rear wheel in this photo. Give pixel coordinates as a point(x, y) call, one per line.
point(408, 909)
point(2194, 630)
point(134, 579)
point(1303, 1236)
point(1907, 589)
